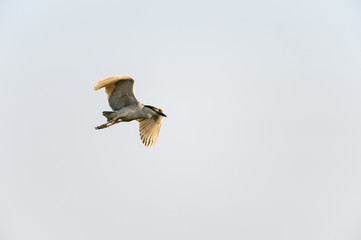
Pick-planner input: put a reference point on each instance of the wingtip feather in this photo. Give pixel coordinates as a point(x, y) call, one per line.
point(110, 80)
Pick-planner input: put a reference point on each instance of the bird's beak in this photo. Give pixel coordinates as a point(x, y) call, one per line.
point(162, 114)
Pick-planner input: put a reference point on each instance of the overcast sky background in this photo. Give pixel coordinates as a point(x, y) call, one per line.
point(262, 139)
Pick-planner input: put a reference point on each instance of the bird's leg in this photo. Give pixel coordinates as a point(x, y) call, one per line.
point(105, 125)
point(108, 124)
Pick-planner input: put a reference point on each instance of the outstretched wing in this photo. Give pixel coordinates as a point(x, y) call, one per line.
point(119, 90)
point(149, 129)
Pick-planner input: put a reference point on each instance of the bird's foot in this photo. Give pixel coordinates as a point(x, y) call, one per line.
point(102, 126)
point(105, 125)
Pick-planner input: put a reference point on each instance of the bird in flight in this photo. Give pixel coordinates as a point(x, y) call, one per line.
point(127, 108)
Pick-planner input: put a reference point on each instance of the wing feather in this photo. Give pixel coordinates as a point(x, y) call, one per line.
point(119, 90)
point(149, 130)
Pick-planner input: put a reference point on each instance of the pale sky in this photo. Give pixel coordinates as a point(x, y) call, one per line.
point(263, 134)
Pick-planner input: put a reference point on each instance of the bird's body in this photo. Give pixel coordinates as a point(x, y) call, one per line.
point(129, 113)
point(127, 108)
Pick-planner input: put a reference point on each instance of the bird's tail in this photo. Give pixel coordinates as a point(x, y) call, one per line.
point(109, 115)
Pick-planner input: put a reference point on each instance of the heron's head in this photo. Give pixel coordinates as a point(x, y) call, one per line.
point(156, 110)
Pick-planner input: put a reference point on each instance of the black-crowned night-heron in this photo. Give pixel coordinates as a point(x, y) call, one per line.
point(127, 108)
